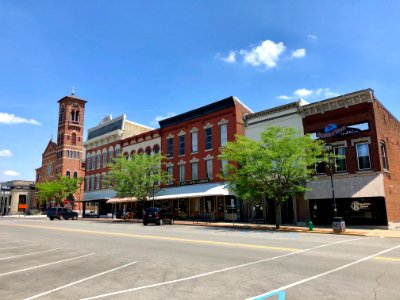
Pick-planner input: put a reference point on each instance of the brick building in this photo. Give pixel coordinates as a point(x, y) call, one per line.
point(65, 157)
point(366, 177)
point(104, 143)
point(192, 141)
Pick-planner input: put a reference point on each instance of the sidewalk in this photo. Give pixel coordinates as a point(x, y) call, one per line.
point(371, 232)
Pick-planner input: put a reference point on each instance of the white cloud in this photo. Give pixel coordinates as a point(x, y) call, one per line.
point(321, 93)
point(231, 58)
point(5, 153)
point(312, 37)
point(267, 54)
point(7, 118)
point(11, 173)
point(303, 93)
point(283, 97)
point(299, 53)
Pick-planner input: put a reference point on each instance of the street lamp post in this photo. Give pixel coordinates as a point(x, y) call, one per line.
point(329, 147)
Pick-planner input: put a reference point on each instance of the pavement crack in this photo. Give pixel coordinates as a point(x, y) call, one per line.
point(378, 284)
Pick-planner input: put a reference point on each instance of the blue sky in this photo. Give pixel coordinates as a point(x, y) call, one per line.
point(152, 59)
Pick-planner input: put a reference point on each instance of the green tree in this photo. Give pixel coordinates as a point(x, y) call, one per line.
point(57, 190)
point(276, 167)
point(138, 176)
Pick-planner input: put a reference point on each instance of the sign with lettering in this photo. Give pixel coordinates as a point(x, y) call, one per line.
point(197, 181)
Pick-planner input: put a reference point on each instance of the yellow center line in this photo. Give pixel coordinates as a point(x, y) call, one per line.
point(387, 258)
point(155, 237)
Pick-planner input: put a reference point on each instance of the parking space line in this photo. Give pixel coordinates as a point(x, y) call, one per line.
point(79, 281)
point(387, 258)
point(155, 237)
point(21, 255)
point(262, 296)
point(218, 271)
point(15, 247)
point(45, 265)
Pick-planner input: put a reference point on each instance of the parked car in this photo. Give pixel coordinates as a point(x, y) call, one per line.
point(157, 215)
point(61, 213)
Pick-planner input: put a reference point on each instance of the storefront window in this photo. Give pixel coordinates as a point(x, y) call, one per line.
point(91, 208)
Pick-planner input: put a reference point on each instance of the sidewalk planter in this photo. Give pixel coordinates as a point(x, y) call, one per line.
point(338, 225)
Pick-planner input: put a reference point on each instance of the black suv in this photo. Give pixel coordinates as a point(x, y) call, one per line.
point(61, 213)
point(157, 215)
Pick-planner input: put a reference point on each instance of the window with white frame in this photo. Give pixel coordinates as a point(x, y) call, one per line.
point(224, 134)
point(384, 156)
point(181, 145)
point(93, 160)
point(209, 168)
point(340, 163)
point(170, 170)
point(97, 181)
point(98, 159)
point(194, 142)
point(363, 156)
point(117, 151)
point(92, 182)
point(181, 173)
point(87, 183)
point(170, 147)
point(104, 158)
point(195, 170)
point(88, 162)
point(208, 138)
point(110, 155)
point(224, 163)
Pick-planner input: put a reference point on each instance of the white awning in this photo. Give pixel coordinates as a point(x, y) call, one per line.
point(122, 200)
point(194, 190)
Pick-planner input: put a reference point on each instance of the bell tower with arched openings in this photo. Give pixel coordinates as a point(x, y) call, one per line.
point(69, 150)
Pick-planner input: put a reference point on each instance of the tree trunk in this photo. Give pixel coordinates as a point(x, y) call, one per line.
point(278, 219)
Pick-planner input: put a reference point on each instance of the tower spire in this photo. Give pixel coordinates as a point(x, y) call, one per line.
point(73, 91)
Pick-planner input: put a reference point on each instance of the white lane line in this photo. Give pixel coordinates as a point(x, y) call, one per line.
point(218, 271)
point(45, 265)
point(26, 245)
point(21, 255)
point(259, 297)
point(79, 281)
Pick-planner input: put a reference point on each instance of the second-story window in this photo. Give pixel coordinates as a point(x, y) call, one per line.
point(224, 134)
point(181, 173)
point(195, 171)
point(341, 161)
point(87, 183)
point(170, 171)
point(92, 182)
point(170, 145)
point(181, 145)
point(111, 155)
point(209, 168)
point(194, 142)
point(363, 156)
point(98, 159)
point(208, 139)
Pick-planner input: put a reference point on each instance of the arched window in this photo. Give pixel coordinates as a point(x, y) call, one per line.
point(97, 181)
point(73, 138)
point(77, 117)
point(148, 150)
point(98, 159)
point(104, 158)
point(140, 151)
point(72, 116)
point(88, 162)
point(126, 155)
point(117, 151)
point(87, 183)
point(93, 160)
point(156, 148)
point(111, 154)
point(133, 152)
point(68, 174)
point(75, 174)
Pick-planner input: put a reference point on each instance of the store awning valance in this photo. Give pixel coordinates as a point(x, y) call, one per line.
point(194, 190)
point(122, 200)
point(98, 195)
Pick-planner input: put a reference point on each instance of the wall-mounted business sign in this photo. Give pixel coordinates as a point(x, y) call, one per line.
point(330, 130)
point(333, 130)
point(198, 181)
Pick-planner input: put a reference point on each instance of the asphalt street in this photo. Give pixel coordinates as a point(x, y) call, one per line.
point(42, 259)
